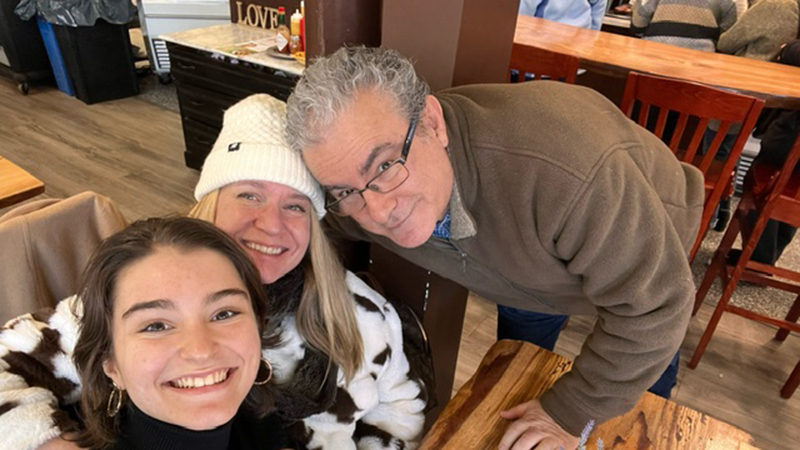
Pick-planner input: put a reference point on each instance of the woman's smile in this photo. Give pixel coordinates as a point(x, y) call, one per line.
point(194, 383)
point(271, 221)
point(264, 249)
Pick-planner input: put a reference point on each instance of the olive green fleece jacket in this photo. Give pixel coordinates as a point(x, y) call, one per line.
point(563, 205)
point(761, 31)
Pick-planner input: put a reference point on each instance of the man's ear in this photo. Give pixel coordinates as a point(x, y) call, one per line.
point(433, 119)
point(111, 371)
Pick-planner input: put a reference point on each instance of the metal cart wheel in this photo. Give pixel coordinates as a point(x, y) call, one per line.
point(165, 78)
point(23, 88)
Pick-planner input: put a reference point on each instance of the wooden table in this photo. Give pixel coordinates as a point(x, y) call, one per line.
point(16, 184)
point(616, 55)
point(513, 372)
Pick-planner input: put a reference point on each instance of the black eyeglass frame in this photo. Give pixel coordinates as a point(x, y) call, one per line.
point(412, 127)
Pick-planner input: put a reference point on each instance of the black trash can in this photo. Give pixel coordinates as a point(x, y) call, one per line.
point(99, 61)
point(23, 46)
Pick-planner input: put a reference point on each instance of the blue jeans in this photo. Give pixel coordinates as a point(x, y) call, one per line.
point(543, 330)
point(724, 148)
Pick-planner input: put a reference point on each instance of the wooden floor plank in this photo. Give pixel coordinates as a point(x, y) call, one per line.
point(127, 149)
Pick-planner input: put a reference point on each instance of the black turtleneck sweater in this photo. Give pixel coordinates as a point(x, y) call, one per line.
point(138, 431)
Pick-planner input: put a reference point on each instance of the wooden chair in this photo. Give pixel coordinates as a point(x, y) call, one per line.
point(45, 245)
point(773, 193)
point(540, 63)
point(702, 104)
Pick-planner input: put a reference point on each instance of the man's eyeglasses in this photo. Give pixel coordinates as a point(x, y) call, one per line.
point(392, 174)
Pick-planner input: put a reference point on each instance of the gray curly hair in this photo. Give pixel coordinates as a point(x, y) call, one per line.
point(330, 84)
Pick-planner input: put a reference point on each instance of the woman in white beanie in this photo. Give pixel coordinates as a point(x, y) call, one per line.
point(340, 370)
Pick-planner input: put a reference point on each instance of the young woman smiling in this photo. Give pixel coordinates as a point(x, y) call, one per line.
point(167, 355)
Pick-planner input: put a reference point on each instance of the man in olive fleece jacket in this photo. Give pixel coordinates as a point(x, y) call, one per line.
point(557, 204)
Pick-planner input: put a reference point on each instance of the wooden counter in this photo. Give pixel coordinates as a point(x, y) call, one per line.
point(513, 372)
point(215, 67)
point(16, 184)
point(615, 55)
point(228, 39)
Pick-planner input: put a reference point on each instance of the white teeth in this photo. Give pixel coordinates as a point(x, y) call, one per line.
point(208, 380)
point(263, 248)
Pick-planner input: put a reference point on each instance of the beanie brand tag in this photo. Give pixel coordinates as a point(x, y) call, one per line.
point(234, 146)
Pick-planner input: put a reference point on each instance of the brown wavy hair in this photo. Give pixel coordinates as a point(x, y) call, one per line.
point(97, 292)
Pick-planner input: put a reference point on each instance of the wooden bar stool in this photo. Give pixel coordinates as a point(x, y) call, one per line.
point(702, 103)
point(540, 63)
point(773, 193)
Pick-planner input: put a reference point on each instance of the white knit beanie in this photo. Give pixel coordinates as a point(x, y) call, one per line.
point(252, 146)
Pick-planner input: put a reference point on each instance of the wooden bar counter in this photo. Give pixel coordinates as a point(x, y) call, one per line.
point(513, 372)
point(16, 184)
point(616, 55)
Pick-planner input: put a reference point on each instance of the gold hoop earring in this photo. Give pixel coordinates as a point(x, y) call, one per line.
point(269, 375)
point(114, 400)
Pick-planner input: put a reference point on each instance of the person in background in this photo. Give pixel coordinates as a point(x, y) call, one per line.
point(762, 30)
point(171, 357)
point(696, 25)
point(759, 34)
point(776, 144)
point(541, 196)
point(693, 24)
point(578, 13)
point(341, 374)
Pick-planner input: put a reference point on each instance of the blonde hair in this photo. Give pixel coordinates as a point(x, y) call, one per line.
point(206, 208)
point(326, 317)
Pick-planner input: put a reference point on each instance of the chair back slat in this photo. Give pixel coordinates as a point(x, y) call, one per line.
point(661, 122)
point(716, 144)
point(644, 113)
point(796, 174)
point(683, 118)
point(694, 144)
point(541, 64)
point(684, 111)
point(795, 178)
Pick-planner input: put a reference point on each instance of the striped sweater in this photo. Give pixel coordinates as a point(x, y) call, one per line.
point(693, 24)
point(380, 408)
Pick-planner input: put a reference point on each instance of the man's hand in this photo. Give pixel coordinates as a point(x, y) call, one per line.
point(59, 443)
point(533, 427)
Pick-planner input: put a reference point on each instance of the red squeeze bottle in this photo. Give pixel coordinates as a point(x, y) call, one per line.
point(282, 35)
point(303, 25)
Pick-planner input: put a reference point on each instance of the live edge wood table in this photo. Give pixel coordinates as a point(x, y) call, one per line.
point(16, 184)
point(615, 55)
point(513, 372)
